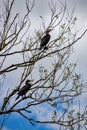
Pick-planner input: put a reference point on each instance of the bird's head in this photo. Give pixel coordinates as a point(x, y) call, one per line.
point(28, 81)
point(49, 30)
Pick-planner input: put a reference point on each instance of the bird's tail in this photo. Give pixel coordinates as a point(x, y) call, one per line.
point(17, 97)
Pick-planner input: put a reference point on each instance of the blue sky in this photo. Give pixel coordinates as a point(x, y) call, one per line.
point(16, 122)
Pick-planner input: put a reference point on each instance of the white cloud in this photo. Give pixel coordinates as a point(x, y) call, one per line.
point(5, 128)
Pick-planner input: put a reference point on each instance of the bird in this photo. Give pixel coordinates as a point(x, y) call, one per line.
point(45, 39)
point(24, 89)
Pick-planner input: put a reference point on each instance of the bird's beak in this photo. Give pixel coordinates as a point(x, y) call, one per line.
point(31, 80)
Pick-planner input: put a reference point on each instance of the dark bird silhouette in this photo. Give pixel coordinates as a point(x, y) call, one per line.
point(24, 89)
point(45, 39)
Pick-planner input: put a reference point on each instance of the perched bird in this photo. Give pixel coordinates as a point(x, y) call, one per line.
point(24, 89)
point(45, 39)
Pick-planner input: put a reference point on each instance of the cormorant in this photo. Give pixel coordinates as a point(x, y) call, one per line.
point(45, 39)
point(24, 89)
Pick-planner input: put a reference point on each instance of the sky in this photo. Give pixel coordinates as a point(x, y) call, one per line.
point(41, 9)
point(80, 55)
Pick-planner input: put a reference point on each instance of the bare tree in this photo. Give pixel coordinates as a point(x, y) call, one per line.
point(55, 80)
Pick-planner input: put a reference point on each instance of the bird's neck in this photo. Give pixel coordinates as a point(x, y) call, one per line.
point(47, 33)
point(28, 84)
